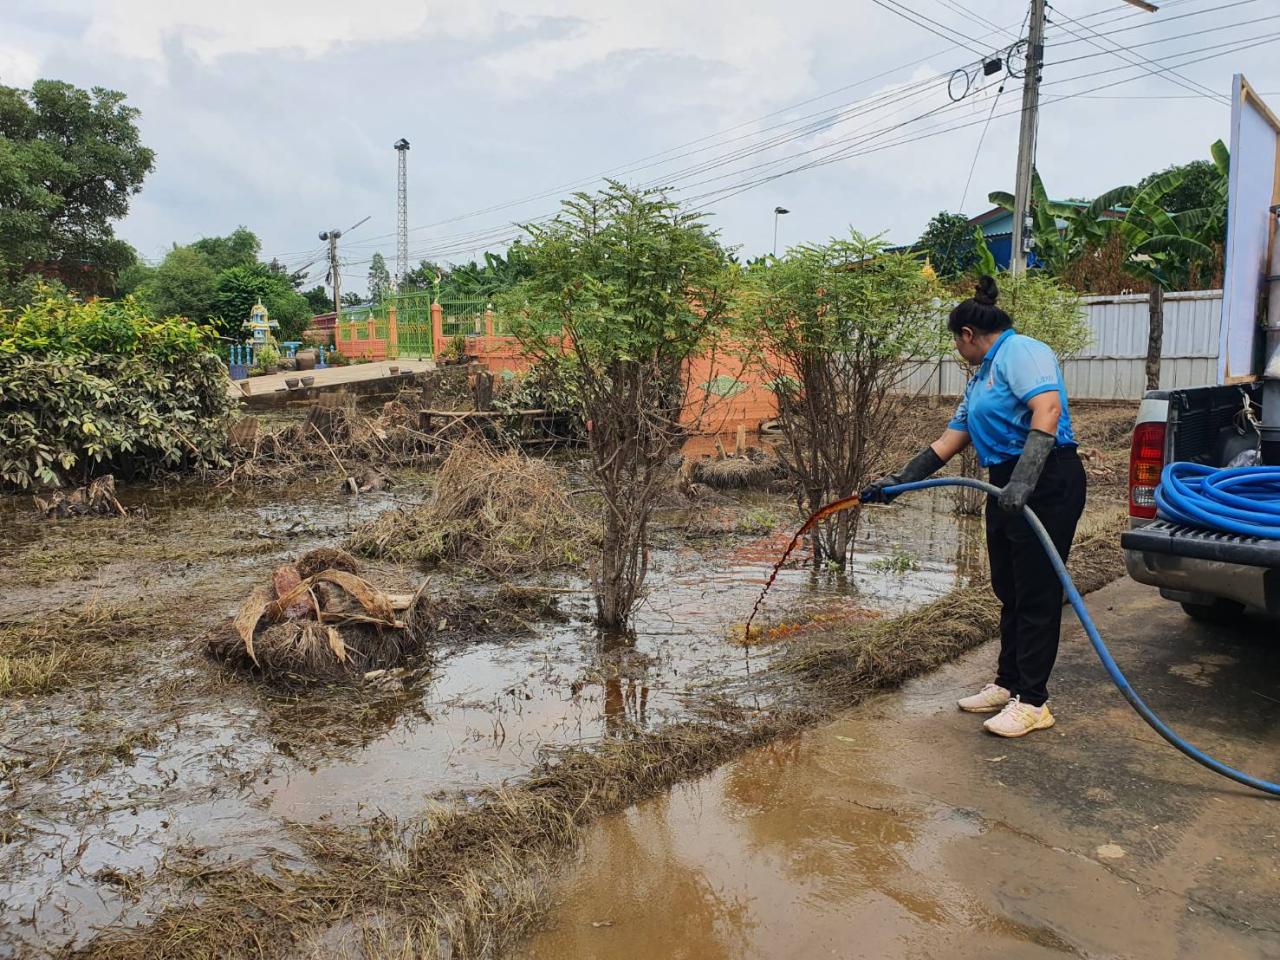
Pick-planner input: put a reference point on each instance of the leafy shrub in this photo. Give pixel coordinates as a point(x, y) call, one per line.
point(267, 357)
point(538, 388)
point(87, 388)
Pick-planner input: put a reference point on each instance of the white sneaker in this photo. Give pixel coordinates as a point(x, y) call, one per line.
point(1017, 719)
point(989, 699)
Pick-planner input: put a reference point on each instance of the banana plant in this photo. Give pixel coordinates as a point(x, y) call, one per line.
point(1163, 248)
point(1059, 231)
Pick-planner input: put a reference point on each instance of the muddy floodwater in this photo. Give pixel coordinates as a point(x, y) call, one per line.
point(163, 754)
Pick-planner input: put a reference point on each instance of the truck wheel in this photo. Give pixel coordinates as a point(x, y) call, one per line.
point(1219, 611)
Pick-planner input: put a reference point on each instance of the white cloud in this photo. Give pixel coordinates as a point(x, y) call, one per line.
point(18, 68)
point(142, 28)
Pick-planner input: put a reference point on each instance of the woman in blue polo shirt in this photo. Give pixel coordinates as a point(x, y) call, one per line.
point(1014, 412)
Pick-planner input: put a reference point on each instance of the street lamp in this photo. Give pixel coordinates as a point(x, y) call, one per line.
point(777, 212)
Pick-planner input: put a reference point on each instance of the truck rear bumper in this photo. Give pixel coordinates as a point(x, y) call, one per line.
point(1198, 566)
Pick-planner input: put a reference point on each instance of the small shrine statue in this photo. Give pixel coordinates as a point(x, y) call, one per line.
point(260, 324)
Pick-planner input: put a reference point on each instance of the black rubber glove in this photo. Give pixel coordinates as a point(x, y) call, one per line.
point(924, 464)
point(1026, 473)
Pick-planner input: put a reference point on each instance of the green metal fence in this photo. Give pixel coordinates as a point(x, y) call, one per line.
point(413, 325)
point(463, 316)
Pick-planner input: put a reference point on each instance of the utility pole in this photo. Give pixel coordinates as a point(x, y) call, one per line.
point(402, 210)
point(332, 236)
point(1019, 241)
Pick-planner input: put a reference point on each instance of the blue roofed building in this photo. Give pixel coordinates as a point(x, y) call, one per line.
point(997, 228)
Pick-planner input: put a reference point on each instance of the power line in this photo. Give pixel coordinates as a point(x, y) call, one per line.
point(632, 166)
point(964, 11)
point(734, 189)
point(1122, 53)
point(1160, 40)
point(906, 13)
point(1163, 20)
point(978, 152)
point(861, 145)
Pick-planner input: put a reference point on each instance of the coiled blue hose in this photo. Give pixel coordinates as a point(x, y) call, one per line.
point(1095, 638)
point(1234, 500)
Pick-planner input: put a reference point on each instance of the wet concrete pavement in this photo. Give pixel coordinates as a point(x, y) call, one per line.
point(902, 830)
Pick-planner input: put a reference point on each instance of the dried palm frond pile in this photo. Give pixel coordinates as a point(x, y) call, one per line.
point(494, 509)
point(319, 619)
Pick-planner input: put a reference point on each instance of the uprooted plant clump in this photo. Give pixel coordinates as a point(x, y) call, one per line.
point(319, 619)
point(494, 509)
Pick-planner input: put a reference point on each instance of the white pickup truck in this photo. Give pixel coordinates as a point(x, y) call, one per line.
point(1215, 576)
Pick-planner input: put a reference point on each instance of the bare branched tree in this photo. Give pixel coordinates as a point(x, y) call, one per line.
point(625, 289)
point(839, 326)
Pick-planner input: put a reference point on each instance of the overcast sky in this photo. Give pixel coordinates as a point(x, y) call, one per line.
point(280, 114)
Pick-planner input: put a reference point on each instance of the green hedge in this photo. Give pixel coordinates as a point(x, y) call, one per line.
point(89, 388)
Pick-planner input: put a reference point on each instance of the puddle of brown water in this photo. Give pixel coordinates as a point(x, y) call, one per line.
point(794, 850)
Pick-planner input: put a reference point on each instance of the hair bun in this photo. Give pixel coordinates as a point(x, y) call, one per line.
point(987, 292)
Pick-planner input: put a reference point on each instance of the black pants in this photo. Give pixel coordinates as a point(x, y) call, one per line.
point(1023, 578)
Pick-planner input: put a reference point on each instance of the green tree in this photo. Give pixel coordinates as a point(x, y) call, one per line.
point(839, 325)
point(70, 160)
point(623, 289)
point(425, 276)
point(379, 279)
point(1199, 186)
point(181, 286)
point(239, 248)
point(237, 289)
point(948, 243)
point(319, 299)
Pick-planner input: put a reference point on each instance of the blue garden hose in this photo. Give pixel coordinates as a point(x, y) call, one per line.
point(1189, 494)
point(1242, 500)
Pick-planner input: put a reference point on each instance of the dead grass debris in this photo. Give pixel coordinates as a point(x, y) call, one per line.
point(57, 650)
point(494, 509)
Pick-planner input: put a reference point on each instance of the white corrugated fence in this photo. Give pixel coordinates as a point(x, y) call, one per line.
point(1113, 367)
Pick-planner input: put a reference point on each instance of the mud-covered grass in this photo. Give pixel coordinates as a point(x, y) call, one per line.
point(456, 882)
point(72, 646)
point(493, 509)
point(877, 653)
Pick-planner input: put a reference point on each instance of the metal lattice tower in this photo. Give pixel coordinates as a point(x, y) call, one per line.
point(402, 210)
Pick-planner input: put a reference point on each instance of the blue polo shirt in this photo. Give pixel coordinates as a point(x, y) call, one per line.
point(994, 411)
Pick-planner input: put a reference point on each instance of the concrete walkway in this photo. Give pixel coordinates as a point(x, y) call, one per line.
point(328, 377)
point(904, 831)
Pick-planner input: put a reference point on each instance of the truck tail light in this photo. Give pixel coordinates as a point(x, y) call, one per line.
point(1146, 460)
